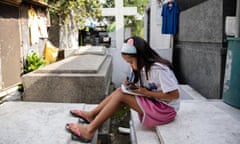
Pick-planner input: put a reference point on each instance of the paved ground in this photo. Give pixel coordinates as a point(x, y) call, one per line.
point(38, 123)
point(122, 117)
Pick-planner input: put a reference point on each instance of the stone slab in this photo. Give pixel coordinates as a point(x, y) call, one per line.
point(200, 122)
point(37, 123)
point(188, 93)
point(96, 50)
point(75, 64)
point(69, 87)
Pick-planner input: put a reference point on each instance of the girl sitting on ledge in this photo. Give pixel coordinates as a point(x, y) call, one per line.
point(157, 99)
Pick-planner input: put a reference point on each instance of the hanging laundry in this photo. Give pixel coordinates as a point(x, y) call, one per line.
point(42, 23)
point(50, 53)
point(33, 26)
point(42, 27)
point(170, 16)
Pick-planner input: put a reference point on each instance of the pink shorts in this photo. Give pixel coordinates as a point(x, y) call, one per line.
point(154, 112)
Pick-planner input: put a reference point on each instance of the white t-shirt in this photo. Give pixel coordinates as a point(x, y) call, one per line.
point(161, 78)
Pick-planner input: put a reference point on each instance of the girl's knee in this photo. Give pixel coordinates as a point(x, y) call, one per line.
point(118, 91)
point(118, 94)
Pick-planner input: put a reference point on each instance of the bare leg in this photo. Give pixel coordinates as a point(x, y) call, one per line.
point(90, 115)
point(115, 101)
point(103, 103)
point(109, 107)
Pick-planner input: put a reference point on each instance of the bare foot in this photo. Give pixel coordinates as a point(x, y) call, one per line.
point(82, 114)
point(80, 130)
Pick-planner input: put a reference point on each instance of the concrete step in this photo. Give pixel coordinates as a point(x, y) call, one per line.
point(139, 134)
point(198, 121)
point(201, 123)
point(38, 123)
point(188, 93)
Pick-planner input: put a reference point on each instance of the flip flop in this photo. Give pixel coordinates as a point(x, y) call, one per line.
point(76, 136)
point(79, 115)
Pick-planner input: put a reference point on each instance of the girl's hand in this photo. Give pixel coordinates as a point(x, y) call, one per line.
point(126, 82)
point(141, 90)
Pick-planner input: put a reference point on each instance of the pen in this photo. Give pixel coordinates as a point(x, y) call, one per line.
point(130, 78)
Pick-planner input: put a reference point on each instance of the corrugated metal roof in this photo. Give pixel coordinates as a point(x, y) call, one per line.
point(36, 2)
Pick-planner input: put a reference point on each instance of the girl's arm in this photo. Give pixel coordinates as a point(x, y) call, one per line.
point(169, 96)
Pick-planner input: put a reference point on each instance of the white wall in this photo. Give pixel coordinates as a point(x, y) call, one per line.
point(162, 43)
point(120, 68)
point(127, 34)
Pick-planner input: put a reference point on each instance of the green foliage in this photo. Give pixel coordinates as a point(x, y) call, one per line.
point(33, 62)
point(111, 27)
point(109, 4)
point(135, 24)
point(79, 9)
point(85, 9)
point(131, 21)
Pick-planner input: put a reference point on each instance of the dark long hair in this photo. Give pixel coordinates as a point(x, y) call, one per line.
point(146, 56)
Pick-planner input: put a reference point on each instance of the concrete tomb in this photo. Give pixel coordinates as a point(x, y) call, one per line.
point(38, 123)
point(83, 77)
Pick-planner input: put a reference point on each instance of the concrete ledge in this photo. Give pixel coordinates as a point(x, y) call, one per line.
point(200, 123)
point(8, 91)
point(188, 93)
point(38, 123)
point(140, 135)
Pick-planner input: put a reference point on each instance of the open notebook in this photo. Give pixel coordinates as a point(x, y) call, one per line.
point(125, 90)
